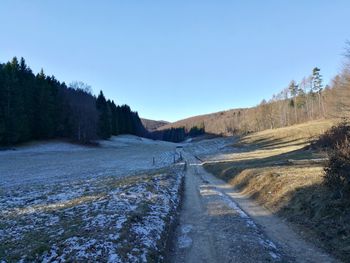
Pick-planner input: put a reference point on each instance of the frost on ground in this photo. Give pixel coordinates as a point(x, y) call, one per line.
point(256, 236)
point(106, 219)
point(55, 162)
point(212, 148)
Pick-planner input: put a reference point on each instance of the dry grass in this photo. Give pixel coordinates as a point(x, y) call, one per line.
point(279, 144)
point(297, 133)
point(293, 191)
point(274, 186)
point(259, 166)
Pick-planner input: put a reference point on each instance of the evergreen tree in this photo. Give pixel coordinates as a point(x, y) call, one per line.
point(46, 107)
point(104, 122)
point(317, 87)
point(13, 112)
point(114, 117)
point(26, 82)
point(293, 89)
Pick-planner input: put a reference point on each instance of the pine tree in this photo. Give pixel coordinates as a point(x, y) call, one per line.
point(2, 106)
point(317, 87)
point(13, 103)
point(114, 117)
point(26, 82)
point(293, 89)
point(46, 107)
point(104, 122)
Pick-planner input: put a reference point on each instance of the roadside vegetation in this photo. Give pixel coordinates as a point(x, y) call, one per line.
point(305, 183)
point(336, 141)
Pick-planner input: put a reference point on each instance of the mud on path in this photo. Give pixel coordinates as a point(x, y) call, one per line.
point(213, 227)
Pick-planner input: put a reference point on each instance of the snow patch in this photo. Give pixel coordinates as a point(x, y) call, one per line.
point(184, 241)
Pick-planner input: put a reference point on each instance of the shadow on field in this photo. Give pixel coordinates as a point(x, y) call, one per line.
point(322, 217)
point(269, 143)
point(228, 170)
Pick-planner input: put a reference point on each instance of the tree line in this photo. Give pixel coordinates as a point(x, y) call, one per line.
point(298, 102)
point(34, 107)
point(306, 100)
point(178, 134)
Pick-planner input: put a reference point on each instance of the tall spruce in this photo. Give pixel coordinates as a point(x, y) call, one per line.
point(293, 89)
point(104, 121)
point(317, 87)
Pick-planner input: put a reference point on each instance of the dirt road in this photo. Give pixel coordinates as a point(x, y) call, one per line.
point(213, 228)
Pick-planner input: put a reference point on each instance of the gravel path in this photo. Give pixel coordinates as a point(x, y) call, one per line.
point(213, 227)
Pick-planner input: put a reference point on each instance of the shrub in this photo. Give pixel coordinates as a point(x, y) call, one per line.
point(334, 136)
point(337, 171)
point(338, 168)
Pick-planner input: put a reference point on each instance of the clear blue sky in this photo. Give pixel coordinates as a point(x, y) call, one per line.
point(173, 59)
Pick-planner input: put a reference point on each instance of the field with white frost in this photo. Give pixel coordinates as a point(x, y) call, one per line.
point(212, 149)
point(61, 202)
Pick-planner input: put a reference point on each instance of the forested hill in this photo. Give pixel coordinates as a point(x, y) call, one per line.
point(152, 125)
point(41, 107)
point(306, 100)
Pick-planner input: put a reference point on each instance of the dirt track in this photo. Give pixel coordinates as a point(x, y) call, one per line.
point(214, 228)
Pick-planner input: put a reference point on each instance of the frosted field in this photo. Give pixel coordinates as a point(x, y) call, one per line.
point(54, 162)
point(213, 149)
point(61, 202)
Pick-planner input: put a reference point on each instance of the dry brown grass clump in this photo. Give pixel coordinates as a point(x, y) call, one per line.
point(274, 186)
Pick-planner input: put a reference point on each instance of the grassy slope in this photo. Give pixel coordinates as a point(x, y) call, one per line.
point(152, 125)
point(293, 191)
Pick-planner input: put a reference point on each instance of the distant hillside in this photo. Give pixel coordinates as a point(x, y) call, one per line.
point(222, 122)
point(306, 100)
point(152, 125)
point(299, 103)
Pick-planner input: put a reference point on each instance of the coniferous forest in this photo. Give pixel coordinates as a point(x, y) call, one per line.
point(34, 107)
